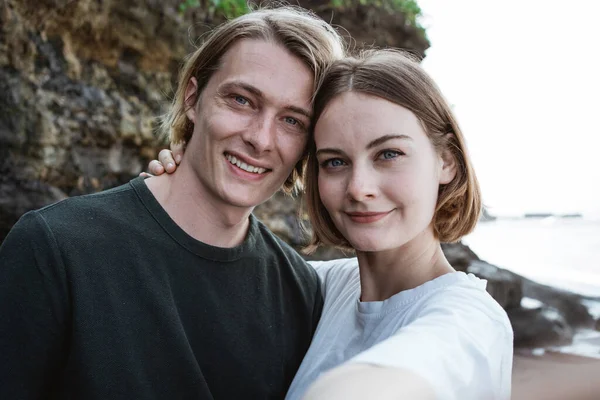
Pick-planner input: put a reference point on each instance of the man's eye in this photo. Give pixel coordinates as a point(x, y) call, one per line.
point(241, 100)
point(291, 121)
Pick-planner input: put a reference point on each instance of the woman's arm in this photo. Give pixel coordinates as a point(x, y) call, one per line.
point(453, 345)
point(365, 381)
point(168, 160)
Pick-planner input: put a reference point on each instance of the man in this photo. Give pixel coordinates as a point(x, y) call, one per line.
point(169, 287)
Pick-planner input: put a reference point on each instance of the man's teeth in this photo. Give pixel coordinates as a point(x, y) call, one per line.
point(244, 166)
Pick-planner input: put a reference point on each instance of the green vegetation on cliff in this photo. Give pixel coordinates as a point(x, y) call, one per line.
point(234, 8)
point(411, 10)
point(227, 8)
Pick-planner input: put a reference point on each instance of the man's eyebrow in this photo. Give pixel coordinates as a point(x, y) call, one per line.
point(241, 85)
point(385, 138)
point(232, 85)
point(300, 110)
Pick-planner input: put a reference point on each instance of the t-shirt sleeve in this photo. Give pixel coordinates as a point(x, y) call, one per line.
point(460, 342)
point(33, 310)
point(325, 270)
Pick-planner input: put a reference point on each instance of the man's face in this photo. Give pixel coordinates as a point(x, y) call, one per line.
point(250, 123)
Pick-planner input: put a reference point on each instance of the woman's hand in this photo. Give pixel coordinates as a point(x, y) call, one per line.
point(168, 160)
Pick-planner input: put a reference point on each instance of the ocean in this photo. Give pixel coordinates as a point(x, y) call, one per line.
point(561, 252)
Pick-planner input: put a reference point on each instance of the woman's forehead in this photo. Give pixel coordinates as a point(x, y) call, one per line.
point(360, 117)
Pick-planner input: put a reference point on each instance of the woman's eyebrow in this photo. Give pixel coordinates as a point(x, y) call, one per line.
point(373, 143)
point(329, 150)
point(385, 138)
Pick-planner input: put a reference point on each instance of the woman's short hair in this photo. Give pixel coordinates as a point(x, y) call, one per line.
point(396, 76)
point(303, 34)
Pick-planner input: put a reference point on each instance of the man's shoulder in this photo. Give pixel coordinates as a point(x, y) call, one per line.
point(285, 254)
point(72, 226)
point(275, 243)
point(75, 205)
point(91, 214)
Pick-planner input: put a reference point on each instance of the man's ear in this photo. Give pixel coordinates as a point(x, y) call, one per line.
point(448, 167)
point(191, 98)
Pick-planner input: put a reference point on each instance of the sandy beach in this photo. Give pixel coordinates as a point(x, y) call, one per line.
point(555, 376)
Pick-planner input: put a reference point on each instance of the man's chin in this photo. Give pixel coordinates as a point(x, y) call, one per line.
point(244, 200)
point(249, 196)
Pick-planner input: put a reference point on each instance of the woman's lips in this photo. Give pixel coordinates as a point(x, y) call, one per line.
point(367, 217)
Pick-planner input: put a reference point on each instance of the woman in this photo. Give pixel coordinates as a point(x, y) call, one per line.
point(388, 175)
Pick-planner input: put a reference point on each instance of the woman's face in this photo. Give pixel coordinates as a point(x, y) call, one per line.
point(379, 174)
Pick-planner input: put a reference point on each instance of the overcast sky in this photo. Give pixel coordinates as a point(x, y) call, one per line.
point(524, 79)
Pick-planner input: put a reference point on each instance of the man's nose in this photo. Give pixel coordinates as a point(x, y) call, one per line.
point(262, 135)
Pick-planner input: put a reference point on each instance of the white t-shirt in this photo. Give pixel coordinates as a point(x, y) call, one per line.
point(449, 331)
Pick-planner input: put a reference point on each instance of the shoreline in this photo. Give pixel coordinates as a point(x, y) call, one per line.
point(586, 343)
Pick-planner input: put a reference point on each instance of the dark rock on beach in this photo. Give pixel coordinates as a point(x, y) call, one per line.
point(486, 216)
point(554, 322)
point(568, 304)
point(540, 327)
point(505, 286)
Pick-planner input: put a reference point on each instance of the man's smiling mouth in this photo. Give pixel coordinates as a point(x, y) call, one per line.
point(244, 166)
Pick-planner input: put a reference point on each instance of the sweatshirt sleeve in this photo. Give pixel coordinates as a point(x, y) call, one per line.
point(34, 310)
point(460, 342)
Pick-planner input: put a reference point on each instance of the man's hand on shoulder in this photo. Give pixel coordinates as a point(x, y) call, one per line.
point(168, 161)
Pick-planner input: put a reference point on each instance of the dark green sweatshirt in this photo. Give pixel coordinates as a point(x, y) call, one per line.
point(105, 297)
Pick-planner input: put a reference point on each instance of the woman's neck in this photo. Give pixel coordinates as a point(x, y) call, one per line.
point(385, 273)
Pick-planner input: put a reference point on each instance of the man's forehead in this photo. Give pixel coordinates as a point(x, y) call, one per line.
point(269, 68)
point(251, 50)
point(264, 54)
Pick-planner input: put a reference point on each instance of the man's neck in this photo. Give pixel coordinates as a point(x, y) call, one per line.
point(197, 212)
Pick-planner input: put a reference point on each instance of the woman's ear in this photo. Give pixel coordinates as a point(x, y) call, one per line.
point(448, 167)
point(191, 97)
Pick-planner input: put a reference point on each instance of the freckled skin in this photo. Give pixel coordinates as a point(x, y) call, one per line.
point(400, 176)
point(261, 129)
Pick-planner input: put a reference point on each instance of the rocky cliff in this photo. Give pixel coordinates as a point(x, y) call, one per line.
point(81, 83)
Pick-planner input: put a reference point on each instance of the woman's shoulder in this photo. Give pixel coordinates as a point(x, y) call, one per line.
point(337, 273)
point(467, 294)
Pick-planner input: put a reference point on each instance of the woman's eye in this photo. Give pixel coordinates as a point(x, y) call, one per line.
point(389, 154)
point(333, 163)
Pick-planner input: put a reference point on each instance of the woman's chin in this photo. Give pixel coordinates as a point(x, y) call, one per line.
point(371, 245)
point(367, 247)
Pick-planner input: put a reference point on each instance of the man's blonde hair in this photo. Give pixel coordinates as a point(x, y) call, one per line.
point(396, 76)
point(302, 33)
